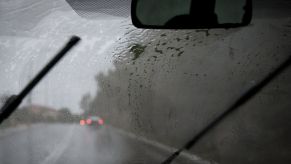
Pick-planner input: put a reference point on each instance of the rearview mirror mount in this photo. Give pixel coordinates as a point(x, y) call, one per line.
point(191, 14)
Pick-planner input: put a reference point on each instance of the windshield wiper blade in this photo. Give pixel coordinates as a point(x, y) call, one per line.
point(248, 95)
point(14, 101)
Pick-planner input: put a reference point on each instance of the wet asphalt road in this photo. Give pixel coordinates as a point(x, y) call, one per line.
point(74, 144)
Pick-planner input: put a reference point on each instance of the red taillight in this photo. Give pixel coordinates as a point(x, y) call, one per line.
point(100, 121)
point(82, 122)
point(88, 121)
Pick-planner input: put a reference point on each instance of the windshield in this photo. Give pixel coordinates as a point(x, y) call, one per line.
point(134, 96)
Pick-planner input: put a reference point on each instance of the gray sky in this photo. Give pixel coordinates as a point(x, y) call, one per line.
point(32, 32)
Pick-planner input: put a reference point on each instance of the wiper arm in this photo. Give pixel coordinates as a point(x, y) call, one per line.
point(242, 100)
point(14, 101)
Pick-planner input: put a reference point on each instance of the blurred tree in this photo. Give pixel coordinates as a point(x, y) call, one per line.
point(65, 115)
point(3, 99)
point(85, 103)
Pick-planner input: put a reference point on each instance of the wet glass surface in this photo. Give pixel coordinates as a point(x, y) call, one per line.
point(154, 89)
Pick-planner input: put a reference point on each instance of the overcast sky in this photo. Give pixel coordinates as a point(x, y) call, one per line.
point(33, 31)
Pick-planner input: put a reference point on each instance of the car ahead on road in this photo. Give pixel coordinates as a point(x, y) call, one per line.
point(92, 121)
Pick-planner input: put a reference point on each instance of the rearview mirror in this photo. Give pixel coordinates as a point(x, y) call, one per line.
point(190, 14)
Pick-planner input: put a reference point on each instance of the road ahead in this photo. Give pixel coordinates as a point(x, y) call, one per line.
point(74, 144)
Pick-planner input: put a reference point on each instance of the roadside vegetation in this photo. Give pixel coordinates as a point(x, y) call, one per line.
point(34, 114)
